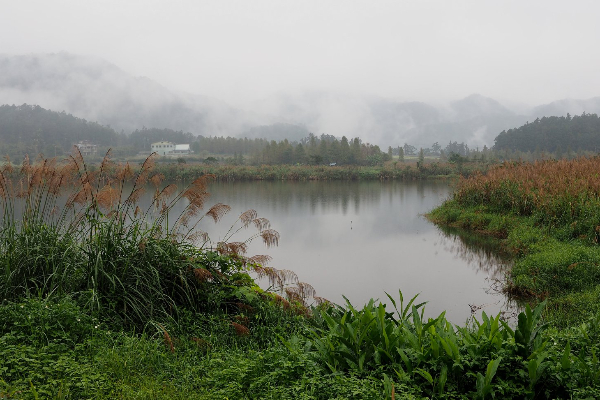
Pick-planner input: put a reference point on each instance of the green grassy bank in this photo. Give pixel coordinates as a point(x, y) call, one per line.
point(547, 215)
point(103, 300)
point(389, 171)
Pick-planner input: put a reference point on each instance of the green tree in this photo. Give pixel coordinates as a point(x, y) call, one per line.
point(300, 154)
point(312, 144)
point(286, 152)
point(400, 154)
point(344, 150)
point(316, 159)
point(334, 151)
point(355, 152)
point(323, 150)
point(409, 150)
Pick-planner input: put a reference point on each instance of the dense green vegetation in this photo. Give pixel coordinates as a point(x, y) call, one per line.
point(391, 170)
point(558, 135)
point(29, 129)
point(105, 300)
point(52, 348)
point(547, 213)
point(32, 130)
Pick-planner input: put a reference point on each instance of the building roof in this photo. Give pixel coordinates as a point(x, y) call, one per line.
point(163, 143)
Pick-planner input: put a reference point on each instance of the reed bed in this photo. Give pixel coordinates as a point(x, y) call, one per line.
point(71, 230)
point(555, 193)
point(547, 214)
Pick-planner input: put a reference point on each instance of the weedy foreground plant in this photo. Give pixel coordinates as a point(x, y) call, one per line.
point(485, 359)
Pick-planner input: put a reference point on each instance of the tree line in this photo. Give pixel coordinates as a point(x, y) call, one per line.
point(33, 130)
point(30, 129)
point(558, 135)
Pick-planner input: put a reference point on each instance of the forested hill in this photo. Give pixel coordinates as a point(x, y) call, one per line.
point(553, 134)
point(32, 129)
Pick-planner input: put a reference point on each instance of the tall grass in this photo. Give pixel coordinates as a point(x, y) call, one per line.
point(556, 193)
point(548, 214)
point(70, 230)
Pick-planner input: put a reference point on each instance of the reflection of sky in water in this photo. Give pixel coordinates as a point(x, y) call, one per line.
point(363, 239)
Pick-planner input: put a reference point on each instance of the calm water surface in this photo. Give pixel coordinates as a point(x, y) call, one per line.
point(362, 239)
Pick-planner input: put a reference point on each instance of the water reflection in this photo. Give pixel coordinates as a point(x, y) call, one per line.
point(486, 255)
point(482, 253)
point(362, 239)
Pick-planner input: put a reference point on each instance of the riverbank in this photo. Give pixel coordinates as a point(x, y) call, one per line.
point(547, 214)
point(102, 301)
point(389, 171)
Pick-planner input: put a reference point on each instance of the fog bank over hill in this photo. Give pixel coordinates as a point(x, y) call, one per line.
point(475, 120)
point(562, 107)
point(97, 90)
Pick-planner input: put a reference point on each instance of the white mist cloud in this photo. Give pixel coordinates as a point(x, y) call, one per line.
point(239, 51)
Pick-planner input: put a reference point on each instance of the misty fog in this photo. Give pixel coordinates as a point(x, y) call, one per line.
point(388, 72)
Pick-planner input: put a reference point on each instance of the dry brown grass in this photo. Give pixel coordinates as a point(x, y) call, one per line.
point(167, 339)
point(240, 329)
point(533, 185)
point(556, 193)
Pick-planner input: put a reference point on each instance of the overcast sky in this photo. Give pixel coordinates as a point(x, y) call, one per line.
point(523, 51)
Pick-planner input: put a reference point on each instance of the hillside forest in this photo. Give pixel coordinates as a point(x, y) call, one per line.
point(32, 130)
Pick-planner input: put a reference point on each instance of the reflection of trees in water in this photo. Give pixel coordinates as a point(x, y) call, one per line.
point(287, 195)
point(322, 195)
point(483, 253)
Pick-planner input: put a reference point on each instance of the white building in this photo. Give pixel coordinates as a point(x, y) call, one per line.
point(87, 148)
point(182, 149)
point(163, 148)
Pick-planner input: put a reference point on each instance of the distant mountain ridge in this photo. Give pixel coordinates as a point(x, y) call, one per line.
point(560, 108)
point(97, 90)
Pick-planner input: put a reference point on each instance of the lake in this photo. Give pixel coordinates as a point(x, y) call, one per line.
point(362, 239)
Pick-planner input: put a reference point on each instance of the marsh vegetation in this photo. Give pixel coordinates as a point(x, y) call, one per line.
point(103, 298)
point(547, 214)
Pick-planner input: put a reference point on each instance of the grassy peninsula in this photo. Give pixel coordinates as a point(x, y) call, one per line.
point(548, 215)
point(102, 299)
